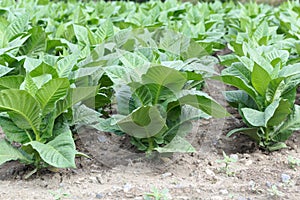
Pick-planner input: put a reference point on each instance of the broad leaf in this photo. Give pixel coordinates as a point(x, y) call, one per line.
point(12, 132)
point(59, 152)
point(143, 122)
point(51, 92)
point(65, 65)
point(203, 102)
point(260, 79)
point(8, 153)
point(164, 76)
point(75, 95)
point(11, 82)
point(23, 106)
point(178, 144)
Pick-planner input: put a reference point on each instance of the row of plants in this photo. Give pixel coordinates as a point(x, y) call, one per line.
point(66, 65)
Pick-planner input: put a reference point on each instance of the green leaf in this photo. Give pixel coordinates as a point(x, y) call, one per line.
point(81, 34)
point(106, 30)
point(42, 69)
point(65, 65)
point(85, 115)
point(251, 132)
point(293, 121)
point(237, 98)
point(254, 117)
point(237, 82)
point(16, 27)
point(178, 144)
point(75, 95)
point(8, 153)
point(164, 76)
point(143, 122)
point(275, 89)
point(30, 85)
point(51, 92)
point(4, 70)
point(290, 70)
point(21, 104)
point(59, 152)
point(36, 43)
point(261, 119)
point(277, 146)
point(133, 61)
point(203, 102)
point(280, 114)
point(11, 82)
point(13, 132)
point(260, 79)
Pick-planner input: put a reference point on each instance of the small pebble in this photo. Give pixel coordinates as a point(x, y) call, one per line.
point(224, 191)
point(268, 184)
point(209, 172)
point(127, 187)
point(167, 174)
point(99, 196)
point(285, 178)
point(216, 198)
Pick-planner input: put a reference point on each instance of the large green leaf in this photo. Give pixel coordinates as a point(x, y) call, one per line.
point(254, 117)
point(36, 43)
point(65, 65)
point(280, 114)
point(164, 76)
point(239, 83)
point(11, 82)
point(203, 102)
point(275, 89)
point(251, 132)
point(261, 119)
point(239, 98)
point(290, 70)
point(4, 70)
point(30, 85)
point(23, 106)
point(51, 92)
point(12, 132)
point(143, 122)
point(260, 79)
point(81, 35)
point(106, 30)
point(18, 26)
point(293, 121)
point(178, 144)
point(75, 95)
point(59, 152)
point(8, 153)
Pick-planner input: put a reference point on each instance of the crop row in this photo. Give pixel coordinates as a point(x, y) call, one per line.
point(138, 69)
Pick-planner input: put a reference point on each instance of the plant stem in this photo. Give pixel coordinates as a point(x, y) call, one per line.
point(150, 141)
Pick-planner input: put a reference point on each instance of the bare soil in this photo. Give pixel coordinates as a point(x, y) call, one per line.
point(117, 171)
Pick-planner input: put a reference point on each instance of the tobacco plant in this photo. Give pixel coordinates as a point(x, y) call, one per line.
point(32, 119)
point(157, 96)
point(266, 94)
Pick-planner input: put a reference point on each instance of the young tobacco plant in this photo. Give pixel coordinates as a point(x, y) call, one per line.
point(266, 95)
point(32, 119)
point(156, 109)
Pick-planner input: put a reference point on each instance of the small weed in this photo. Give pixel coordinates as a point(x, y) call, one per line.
point(157, 194)
point(293, 162)
point(274, 192)
point(59, 194)
point(227, 160)
point(255, 188)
